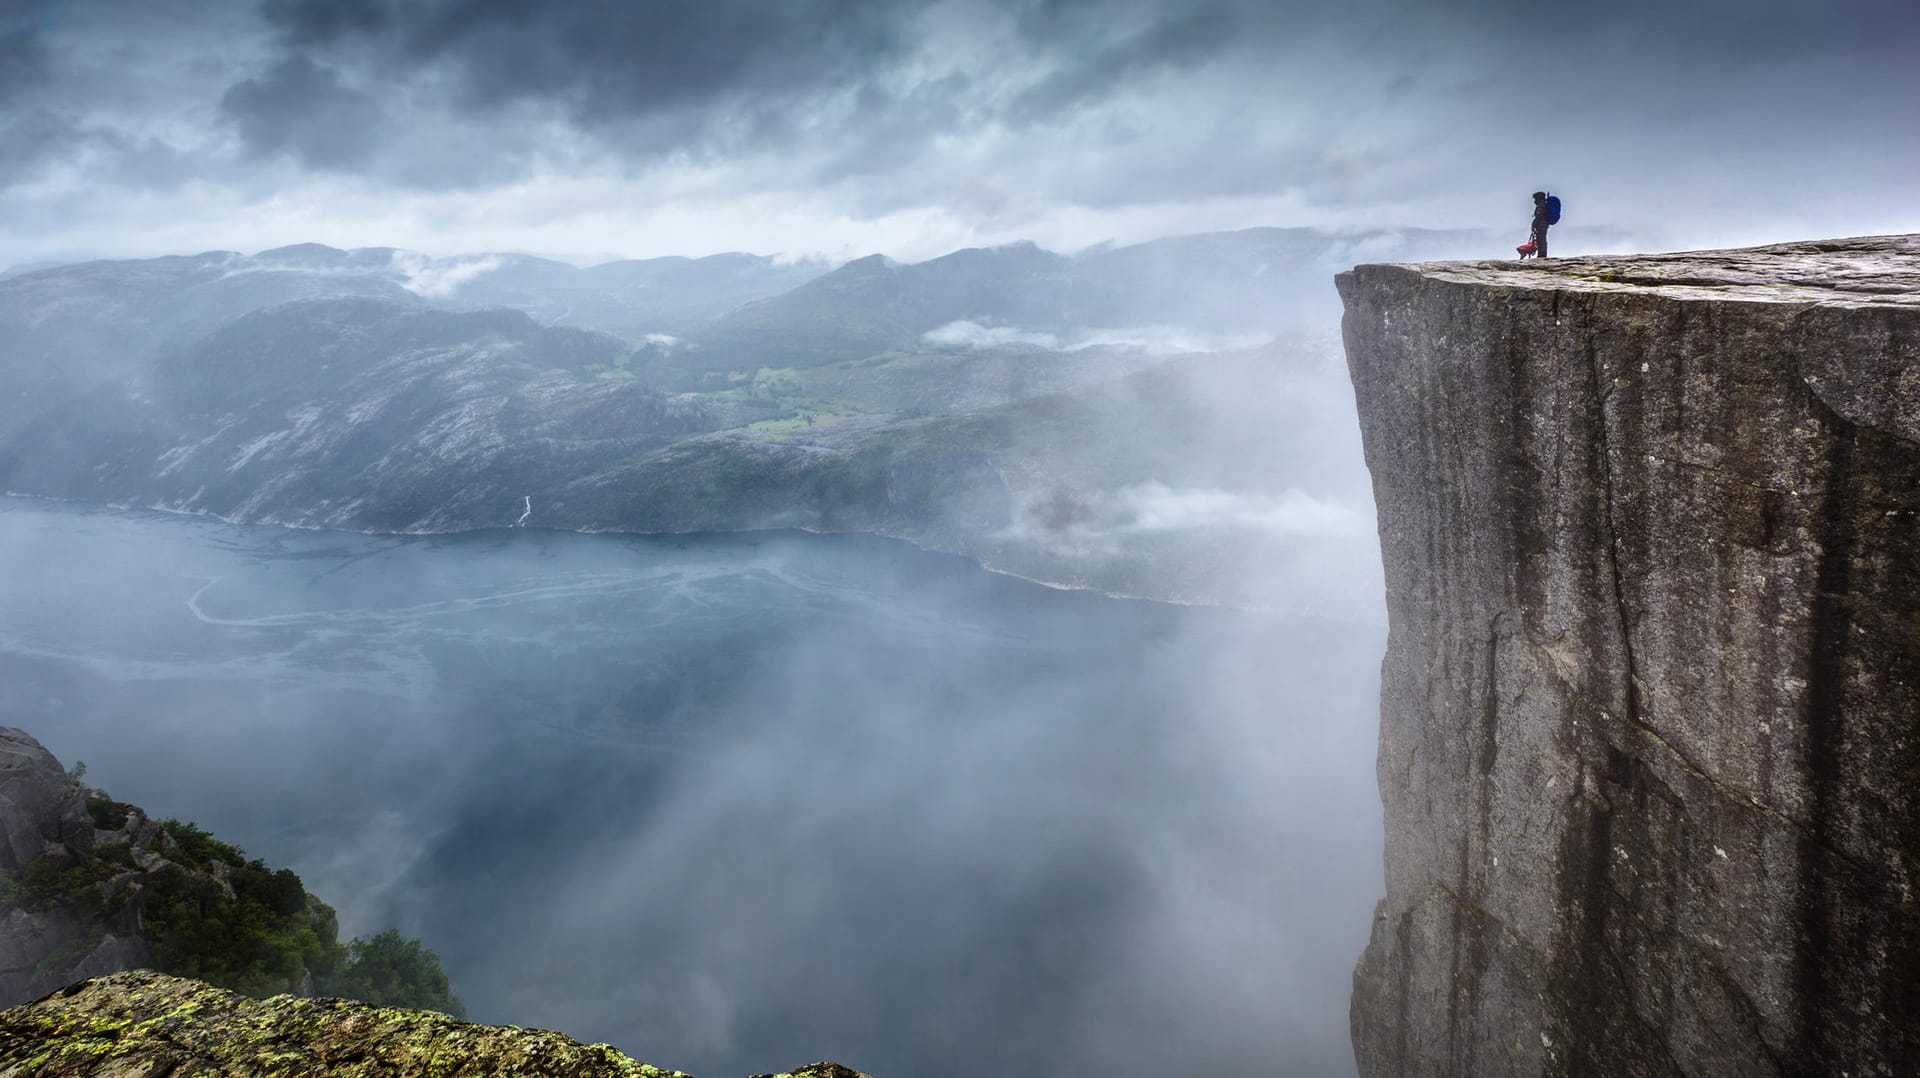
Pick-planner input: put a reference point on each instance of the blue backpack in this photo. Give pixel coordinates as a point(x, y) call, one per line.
point(1553, 209)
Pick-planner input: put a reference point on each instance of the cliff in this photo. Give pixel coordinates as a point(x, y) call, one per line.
point(1650, 715)
point(144, 1023)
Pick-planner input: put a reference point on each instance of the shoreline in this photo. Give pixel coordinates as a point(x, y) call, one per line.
point(985, 566)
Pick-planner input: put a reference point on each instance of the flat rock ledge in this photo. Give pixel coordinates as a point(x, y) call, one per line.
point(147, 1025)
point(1867, 271)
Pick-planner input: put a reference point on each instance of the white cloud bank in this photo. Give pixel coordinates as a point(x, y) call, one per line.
point(435, 278)
point(1153, 340)
point(1102, 522)
point(1156, 507)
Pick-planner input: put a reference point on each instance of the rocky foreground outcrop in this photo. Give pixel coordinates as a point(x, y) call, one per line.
point(1650, 743)
point(143, 1023)
point(90, 886)
point(63, 909)
point(93, 888)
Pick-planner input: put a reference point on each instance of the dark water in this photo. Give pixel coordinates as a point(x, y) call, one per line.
point(739, 803)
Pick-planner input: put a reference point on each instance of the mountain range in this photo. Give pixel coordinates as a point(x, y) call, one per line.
point(1009, 403)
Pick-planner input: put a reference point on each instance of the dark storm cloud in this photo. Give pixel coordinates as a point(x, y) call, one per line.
point(653, 78)
point(1725, 29)
point(717, 71)
point(306, 22)
point(890, 130)
point(28, 139)
point(303, 108)
point(848, 125)
point(23, 54)
point(1168, 39)
point(837, 79)
point(1385, 42)
point(28, 134)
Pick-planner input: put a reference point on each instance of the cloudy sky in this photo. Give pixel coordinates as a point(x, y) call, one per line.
point(841, 127)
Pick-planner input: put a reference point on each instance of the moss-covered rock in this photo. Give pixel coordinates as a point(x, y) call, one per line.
point(143, 1023)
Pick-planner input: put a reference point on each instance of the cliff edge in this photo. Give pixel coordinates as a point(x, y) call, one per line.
point(1650, 715)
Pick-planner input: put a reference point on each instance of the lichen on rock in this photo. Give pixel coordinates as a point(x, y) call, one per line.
point(144, 1023)
point(148, 1024)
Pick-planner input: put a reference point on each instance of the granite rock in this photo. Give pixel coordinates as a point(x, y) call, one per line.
point(39, 803)
point(1650, 716)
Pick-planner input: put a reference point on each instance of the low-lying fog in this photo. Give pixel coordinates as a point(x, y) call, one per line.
point(738, 803)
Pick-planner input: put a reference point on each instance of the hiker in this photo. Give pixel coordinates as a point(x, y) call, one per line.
point(1545, 214)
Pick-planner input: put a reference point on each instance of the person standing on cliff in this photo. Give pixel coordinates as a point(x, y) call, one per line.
point(1537, 239)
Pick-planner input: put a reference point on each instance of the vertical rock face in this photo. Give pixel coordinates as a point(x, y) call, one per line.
point(48, 939)
point(1650, 718)
point(39, 803)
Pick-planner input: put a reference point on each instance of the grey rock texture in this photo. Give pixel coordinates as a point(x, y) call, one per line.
point(1650, 716)
point(38, 802)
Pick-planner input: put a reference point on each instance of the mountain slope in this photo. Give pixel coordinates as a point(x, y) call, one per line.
point(67, 329)
point(369, 413)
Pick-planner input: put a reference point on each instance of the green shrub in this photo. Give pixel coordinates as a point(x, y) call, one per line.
point(198, 848)
point(393, 971)
point(41, 884)
point(260, 939)
point(258, 936)
point(248, 941)
point(107, 814)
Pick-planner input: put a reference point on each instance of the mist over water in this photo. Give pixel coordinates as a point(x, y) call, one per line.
point(734, 803)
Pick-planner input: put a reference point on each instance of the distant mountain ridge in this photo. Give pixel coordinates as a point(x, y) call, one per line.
point(177, 297)
point(1252, 279)
point(942, 401)
point(1255, 280)
point(391, 414)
